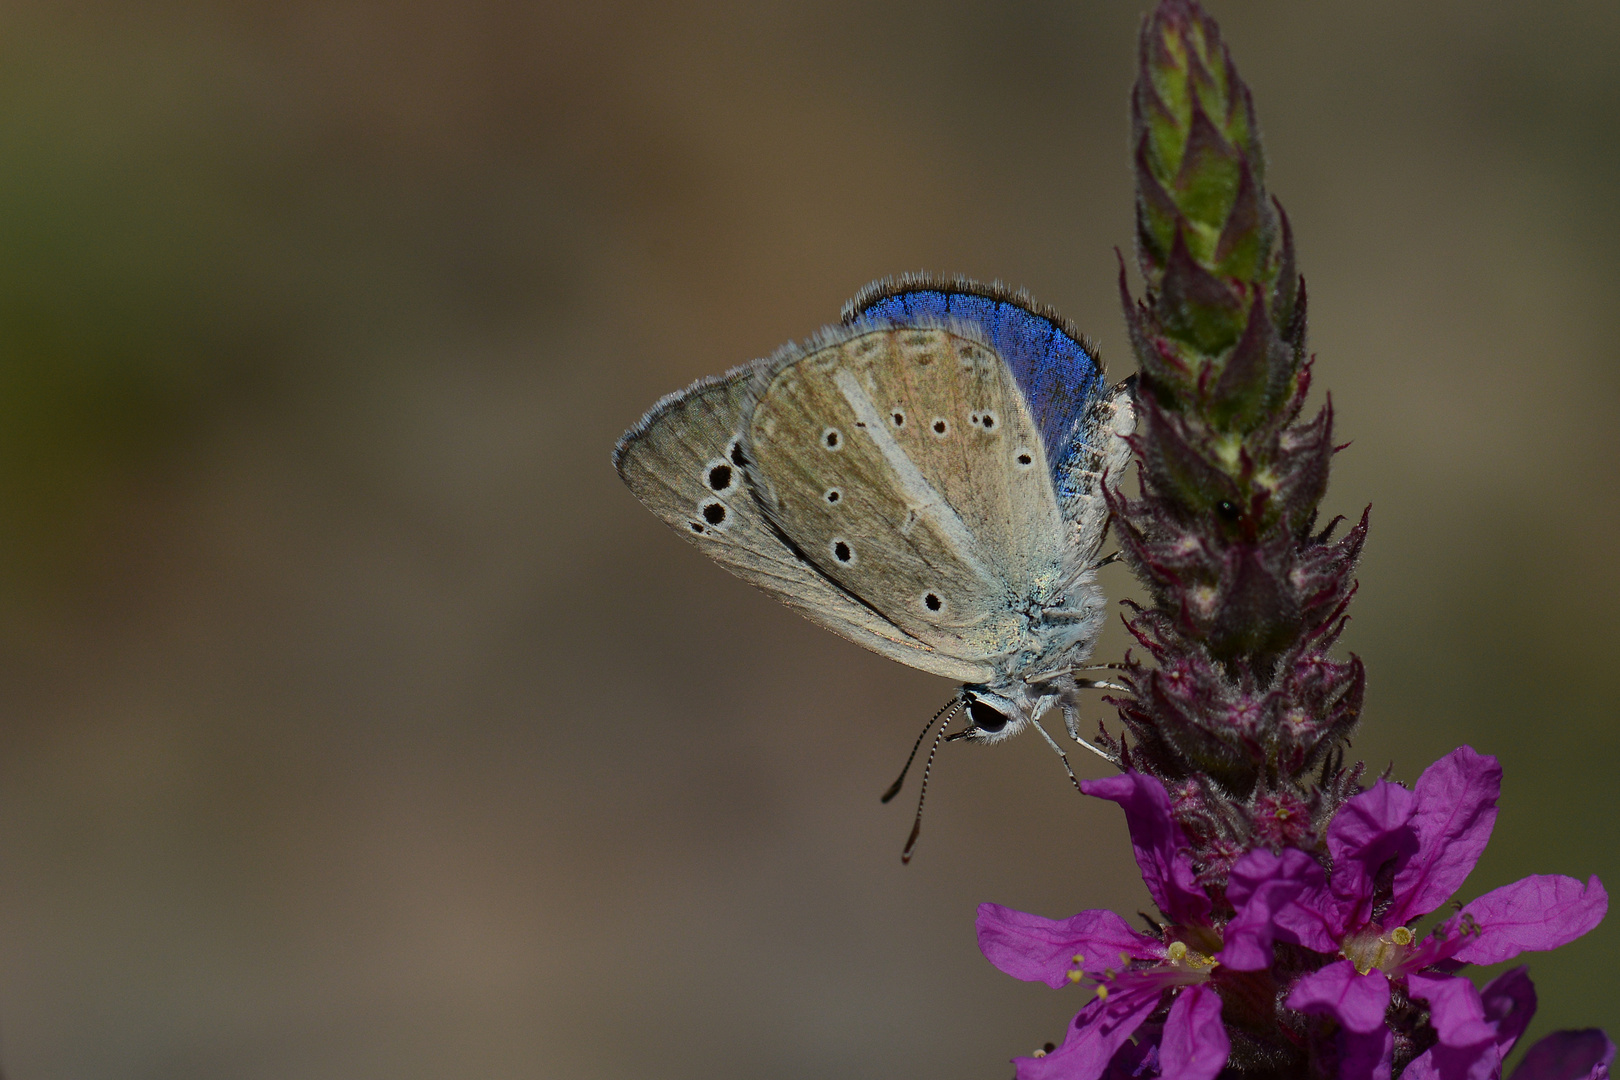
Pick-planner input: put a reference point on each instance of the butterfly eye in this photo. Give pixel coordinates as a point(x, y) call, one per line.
point(1228, 510)
point(986, 717)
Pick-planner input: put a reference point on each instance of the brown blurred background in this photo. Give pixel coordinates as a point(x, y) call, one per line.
point(359, 724)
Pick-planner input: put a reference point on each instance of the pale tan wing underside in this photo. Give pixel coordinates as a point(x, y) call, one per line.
point(903, 461)
point(687, 463)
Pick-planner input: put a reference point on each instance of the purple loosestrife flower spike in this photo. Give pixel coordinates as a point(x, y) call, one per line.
point(1237, 705)
point(1291, 898)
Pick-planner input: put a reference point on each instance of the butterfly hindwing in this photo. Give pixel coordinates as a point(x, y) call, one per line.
point(689, 462)
point(903, 460)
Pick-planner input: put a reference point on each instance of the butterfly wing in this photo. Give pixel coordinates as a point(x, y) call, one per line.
point(940, 548)
point(1055, 366)
point(1059, 374)
point(904, 462)
point(689, 461)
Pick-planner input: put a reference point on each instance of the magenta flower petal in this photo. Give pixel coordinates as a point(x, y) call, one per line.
point(1161, 848)
point(1096, 1032)
point(1357, 1001)
point(1467, 1049)
point(1455, 810)
point(1510, 1004)
point(1366, 1055)
point(1450, 1063)
point(1194, 1046)
point(1455, 1010)
point(1367, 832)
point(1542, 911)
point(1309, 921)
point(1567, 1055)
point(1260, 887)
point(1134, 1059)
point(1034, 949)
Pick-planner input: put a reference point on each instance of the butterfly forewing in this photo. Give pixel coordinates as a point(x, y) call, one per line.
point(903, 461)
point(689, 462)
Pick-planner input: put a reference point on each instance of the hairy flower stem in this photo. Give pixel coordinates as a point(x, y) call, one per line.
point(1237, 705)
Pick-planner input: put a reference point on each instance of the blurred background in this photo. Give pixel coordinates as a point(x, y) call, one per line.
point(359, 724)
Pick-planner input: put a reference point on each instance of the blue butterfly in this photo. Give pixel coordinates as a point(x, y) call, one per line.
point(924, 479)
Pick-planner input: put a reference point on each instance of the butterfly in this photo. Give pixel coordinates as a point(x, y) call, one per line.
point(924, 479)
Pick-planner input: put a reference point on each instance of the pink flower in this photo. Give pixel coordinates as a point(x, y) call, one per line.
point(1397, 855)
point(1133, 972)
point(1301, 940)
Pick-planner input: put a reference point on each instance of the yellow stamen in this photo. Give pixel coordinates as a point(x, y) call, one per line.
point(1079, 959)
point(1177, 950)
point(1401, 936)
point(1076, 976)
point(1102, 993)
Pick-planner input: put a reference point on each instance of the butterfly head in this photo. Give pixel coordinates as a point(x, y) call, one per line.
point(999, 712)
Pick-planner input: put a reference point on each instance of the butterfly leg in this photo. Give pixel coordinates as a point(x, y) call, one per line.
point(1071, 724)
point(1059, 752)
point(1105, 560)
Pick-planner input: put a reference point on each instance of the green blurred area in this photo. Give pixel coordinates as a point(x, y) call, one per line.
point(113, 313)
point(358, 723)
